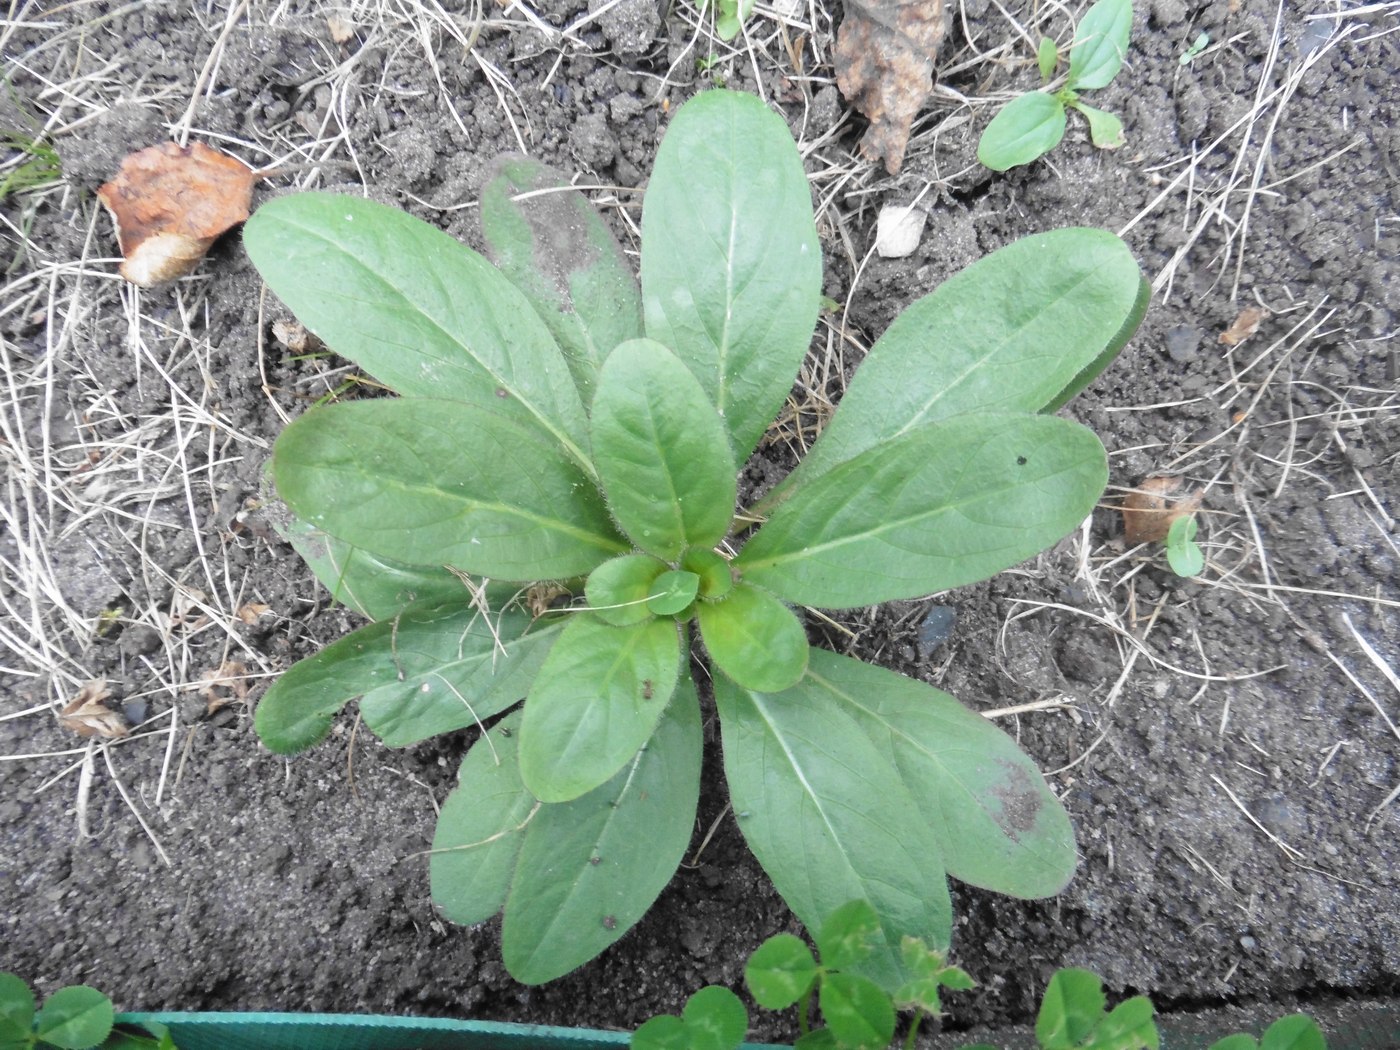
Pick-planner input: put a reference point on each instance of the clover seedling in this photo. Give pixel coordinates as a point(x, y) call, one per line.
point(859, 1014)
point(730, 16)
point(713, 1019)
point(1033, 124)
point(72, 1018)
point(558, 422)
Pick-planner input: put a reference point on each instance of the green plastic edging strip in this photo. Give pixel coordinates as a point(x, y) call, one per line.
point(275, 1031)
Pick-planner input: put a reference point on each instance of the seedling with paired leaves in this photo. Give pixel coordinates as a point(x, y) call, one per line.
point(1033, 124)
point(860, 1015)
point(73, 1018)
point(559, 422)
point(1185, 558)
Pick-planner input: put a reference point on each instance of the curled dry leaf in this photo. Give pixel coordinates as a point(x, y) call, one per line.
point(884, 67)
point(88, 715)
point(251, 612)
point(170, 203)
point(1149, 510)
point(294, 336)
point(542, 598)
point(1244, 326)
point(226, 684)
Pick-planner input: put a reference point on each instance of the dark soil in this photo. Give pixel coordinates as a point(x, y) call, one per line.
point(1225, 770)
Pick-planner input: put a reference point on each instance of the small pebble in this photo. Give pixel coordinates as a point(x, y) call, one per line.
point(1183, 343)
point(937, 626)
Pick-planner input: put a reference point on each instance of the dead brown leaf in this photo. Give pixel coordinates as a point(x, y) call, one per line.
point(1150, 509)
point(170, 203)
point(88, 716)
point(541, 598)
point(884, 67)
point(294, 336)
point(251, 612)
point(226, 684)
point(1244, 326)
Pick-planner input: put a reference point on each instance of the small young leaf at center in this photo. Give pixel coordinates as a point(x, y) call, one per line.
point(754, 638)
point(662, 451)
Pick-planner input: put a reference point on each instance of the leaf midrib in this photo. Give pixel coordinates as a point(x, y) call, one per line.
point(509, 385)
point(395, 485)
point(811, 550)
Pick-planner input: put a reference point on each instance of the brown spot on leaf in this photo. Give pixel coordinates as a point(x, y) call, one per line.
point(884, 67)
point(170, 203)
point(555, 215)
point(1020, 800)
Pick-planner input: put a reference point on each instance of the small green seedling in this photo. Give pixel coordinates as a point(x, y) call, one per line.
point(1033, 124)
point(860, 1015)
point(1198, 45)
point(714, 1018)
point(35, 164)
point(730, 16)
point(558, 422)
point(1183, 555)
point(1074, 1015)
point(74, 1018)
point(1294, 1032)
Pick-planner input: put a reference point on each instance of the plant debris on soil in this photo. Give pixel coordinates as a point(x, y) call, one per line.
point(1226, 745)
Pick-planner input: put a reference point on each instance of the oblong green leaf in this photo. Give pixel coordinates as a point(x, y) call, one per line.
point(731, 266)
point(857, 1011)
point(754, 638)
point(480, 828)
point(1014, 332)
point(595, 702)
point(997, 823)
point(369, 583)
point(828, 818)
point(550, 242)
point(780, 972)
point(716, 1019)
point(937, 507)
point(75, 1018)
point(589, 869)
point(673, 591)
point(439, 483)
point(424, 314)
point(1026, 128)
point(1120, 338)
point(431, 670)
point(662, 452)
point(1100, 44)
